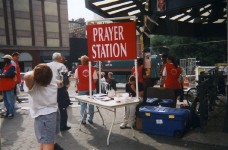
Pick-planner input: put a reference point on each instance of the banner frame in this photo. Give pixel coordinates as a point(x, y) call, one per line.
point(136, 72)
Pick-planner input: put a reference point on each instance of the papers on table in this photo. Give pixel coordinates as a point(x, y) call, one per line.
point(101, 97)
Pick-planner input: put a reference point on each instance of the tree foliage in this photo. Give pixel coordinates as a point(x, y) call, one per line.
point(208, 51)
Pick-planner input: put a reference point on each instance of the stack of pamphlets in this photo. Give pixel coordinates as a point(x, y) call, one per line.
point(101, 97)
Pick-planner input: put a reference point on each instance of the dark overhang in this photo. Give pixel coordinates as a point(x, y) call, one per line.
point(179, 17)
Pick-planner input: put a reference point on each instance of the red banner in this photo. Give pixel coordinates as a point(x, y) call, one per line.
point(115, 41)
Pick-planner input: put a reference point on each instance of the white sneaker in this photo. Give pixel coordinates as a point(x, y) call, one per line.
point(16, 106)
point(123, 125)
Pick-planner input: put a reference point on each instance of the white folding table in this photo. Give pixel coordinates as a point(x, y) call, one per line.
point(110, 105)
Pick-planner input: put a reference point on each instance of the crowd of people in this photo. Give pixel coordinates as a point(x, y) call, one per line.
point(47, 86)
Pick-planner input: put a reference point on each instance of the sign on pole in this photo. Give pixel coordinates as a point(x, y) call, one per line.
point(115, 41)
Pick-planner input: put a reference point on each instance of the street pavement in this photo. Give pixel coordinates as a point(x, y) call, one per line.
point(18, 134)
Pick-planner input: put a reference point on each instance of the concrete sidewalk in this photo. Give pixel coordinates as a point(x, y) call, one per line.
point(18, 134)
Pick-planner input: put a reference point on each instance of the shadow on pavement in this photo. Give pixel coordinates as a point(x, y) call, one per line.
point(8, 126)
point(69, 142)
point(117, 141)
point(181, 142)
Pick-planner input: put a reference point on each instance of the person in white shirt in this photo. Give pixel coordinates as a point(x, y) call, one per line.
point(42, 90)
point(103, 83)
point(58, 69)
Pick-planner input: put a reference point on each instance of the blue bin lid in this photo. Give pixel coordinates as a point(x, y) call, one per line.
point(163, 110)
point(167, 100)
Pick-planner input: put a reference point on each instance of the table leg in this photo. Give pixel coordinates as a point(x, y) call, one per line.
point(100, 115)
point(132, 121)
point(132, 130)
point(110, 130)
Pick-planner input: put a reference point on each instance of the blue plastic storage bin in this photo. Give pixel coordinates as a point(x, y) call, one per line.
point(164, 120)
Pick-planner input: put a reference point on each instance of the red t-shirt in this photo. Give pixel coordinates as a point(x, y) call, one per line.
point(172, 76)
point(83, 76)
point(7, 84)
point(140, 73)
point(18, 73)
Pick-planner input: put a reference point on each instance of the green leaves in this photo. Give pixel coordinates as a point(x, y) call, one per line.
point(208, 51)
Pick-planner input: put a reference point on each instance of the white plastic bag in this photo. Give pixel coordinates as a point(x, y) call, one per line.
point(111, 93)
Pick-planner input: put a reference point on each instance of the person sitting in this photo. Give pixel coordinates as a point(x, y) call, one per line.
point(129, 115)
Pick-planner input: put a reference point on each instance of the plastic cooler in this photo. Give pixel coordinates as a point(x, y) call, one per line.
point(164, 120)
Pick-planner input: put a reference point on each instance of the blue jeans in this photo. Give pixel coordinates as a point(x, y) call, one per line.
point(8, 98)
point(84, 107)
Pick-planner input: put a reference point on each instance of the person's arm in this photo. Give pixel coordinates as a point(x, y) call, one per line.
point(29, 79)
point(133, 71)
point(133, 88)
point(141, 93)
point(95, 76)
point(113, 84)
point(180, 70)
point(164, 74)
point(127, 88)
point(144, 73)
point(76, 77)
point(10, 73)
point(61, 68)
point(141, 90)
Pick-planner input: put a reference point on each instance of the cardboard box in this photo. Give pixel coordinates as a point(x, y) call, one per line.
point(138, 123)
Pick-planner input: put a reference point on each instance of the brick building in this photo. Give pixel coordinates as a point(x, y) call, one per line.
point(34, 28)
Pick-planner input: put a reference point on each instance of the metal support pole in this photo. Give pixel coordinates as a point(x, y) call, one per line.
point(110, 130)
point(113, 19)
point(99, 77)
point(136, 79)
point(201, 101)
point(90, 80)
point(225, 129)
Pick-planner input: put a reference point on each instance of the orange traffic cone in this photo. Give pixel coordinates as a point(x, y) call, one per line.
point(186, 82)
